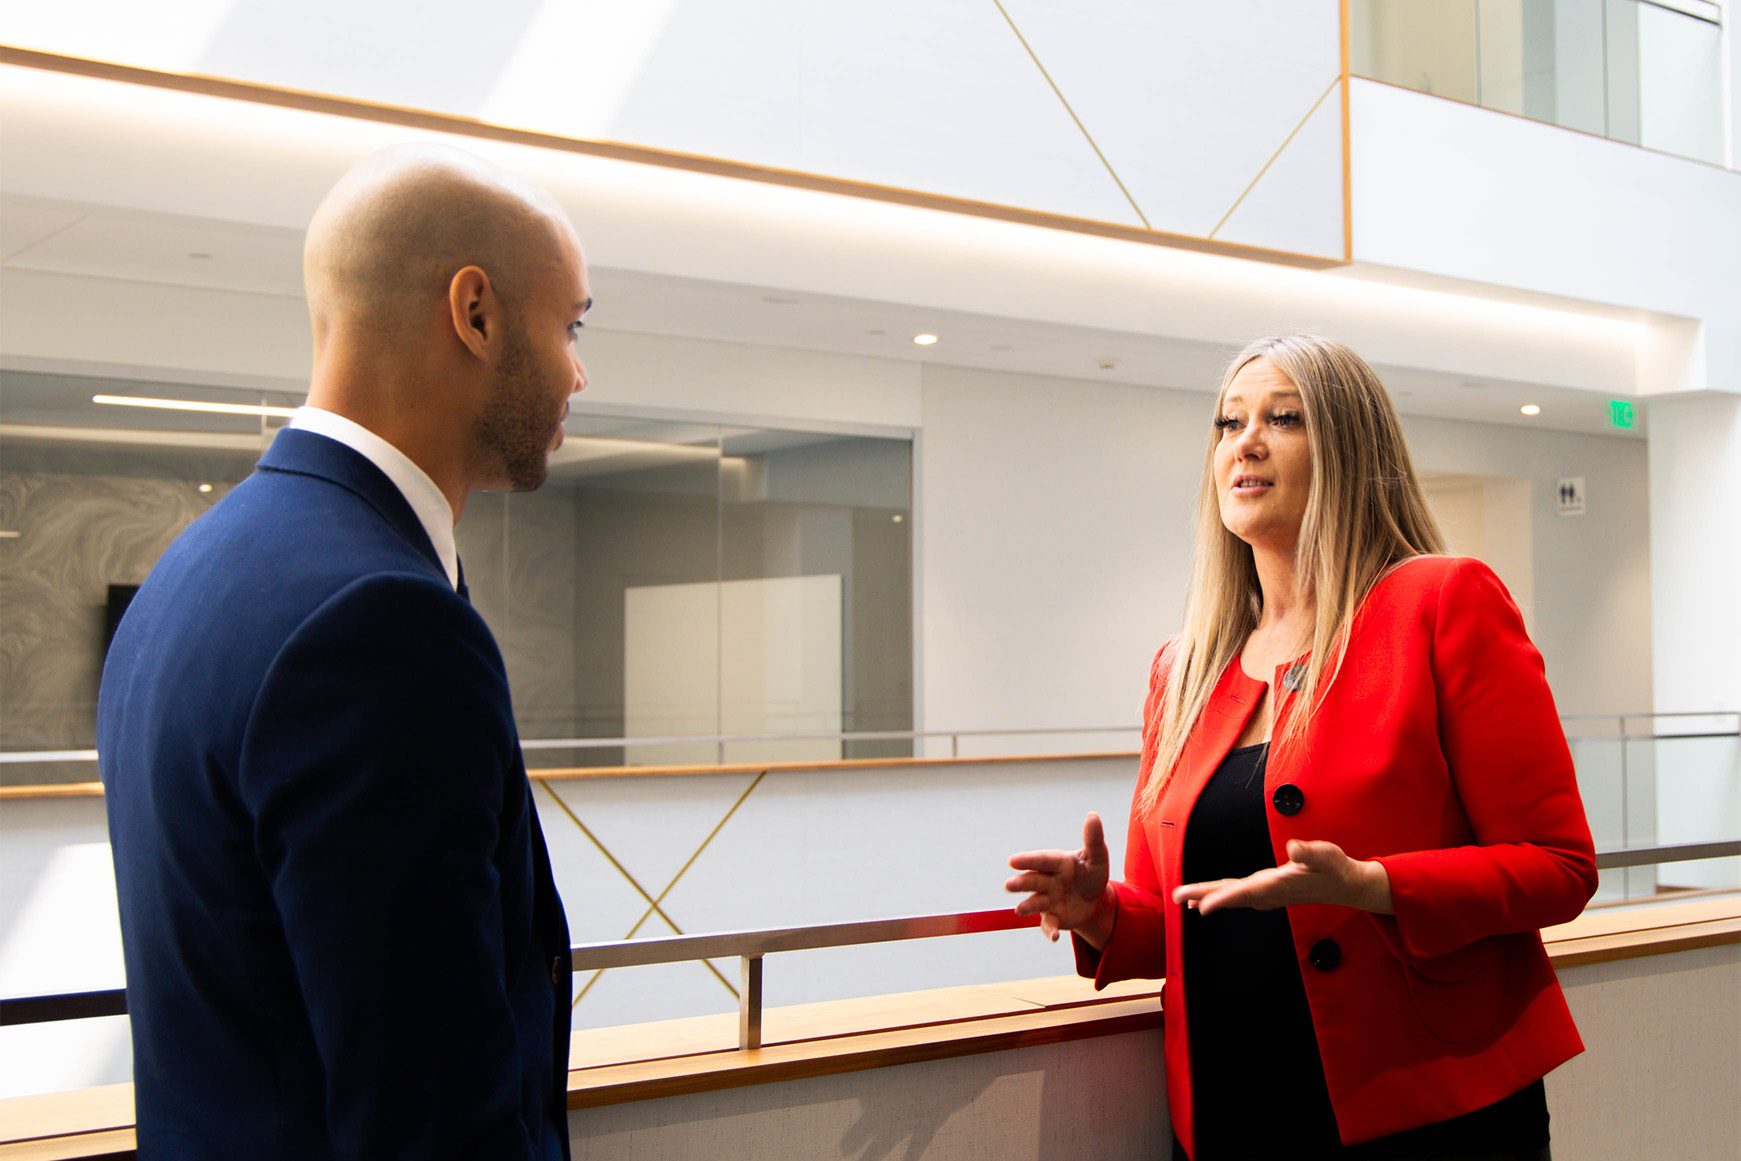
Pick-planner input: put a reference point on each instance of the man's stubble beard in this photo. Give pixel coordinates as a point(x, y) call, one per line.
point(515, 427)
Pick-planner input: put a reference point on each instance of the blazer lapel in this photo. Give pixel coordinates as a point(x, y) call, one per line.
point(309, 454)
point(1230, 708)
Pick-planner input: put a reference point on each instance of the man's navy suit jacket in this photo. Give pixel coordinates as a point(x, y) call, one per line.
point(342, 937)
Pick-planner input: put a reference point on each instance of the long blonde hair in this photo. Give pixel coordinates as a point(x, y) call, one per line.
point(1365, 513)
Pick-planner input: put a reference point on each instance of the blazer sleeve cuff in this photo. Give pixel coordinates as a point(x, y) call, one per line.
point(1402, 932)
point(1137, 949)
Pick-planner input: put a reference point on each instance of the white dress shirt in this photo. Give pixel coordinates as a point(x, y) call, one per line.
point(426, 500)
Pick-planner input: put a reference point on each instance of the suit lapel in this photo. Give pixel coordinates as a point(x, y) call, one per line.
point(306, 453)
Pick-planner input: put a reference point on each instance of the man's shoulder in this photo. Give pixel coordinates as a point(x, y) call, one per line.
point(294, 528)
point(246, 576)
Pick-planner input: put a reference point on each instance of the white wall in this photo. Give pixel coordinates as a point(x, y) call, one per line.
point(1591, 573)
point(1491, 518)
point(1015, 104)
point(1055, 528)
point(1662, 1063)
point(750, 384)
point(1695, 533)
point(59, 932)
point(1056, 524)
point(106, 326)
point(1467, 193)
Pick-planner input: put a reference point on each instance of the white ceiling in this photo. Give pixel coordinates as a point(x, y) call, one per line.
point(63, 237)
point(156, 187)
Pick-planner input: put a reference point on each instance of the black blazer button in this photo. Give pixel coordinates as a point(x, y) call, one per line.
point(556, 970)
point(1288, 799)
point(1325, 955)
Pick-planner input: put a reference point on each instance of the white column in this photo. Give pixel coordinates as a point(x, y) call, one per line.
point(1695, 584)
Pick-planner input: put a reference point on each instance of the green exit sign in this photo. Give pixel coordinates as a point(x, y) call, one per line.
point(1619, 413)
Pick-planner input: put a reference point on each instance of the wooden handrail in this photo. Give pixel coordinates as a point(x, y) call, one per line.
point(669, 1058)
point(564, 773)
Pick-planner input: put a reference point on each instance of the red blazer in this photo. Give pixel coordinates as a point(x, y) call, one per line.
point(1437, 751)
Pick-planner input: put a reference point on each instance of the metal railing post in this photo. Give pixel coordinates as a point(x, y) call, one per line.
point(749, 1002)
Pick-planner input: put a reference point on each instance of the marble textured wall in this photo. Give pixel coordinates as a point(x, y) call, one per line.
point(87, 516)
point(519, 556)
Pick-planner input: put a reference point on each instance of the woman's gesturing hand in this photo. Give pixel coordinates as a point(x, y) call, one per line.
point(1316, 872)
point(1069, 890)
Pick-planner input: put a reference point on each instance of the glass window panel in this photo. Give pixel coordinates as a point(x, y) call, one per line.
point(817, 564)
point(1636, 72)
point(1500, 76)
point(670, 580)
point(1563, 50)
point(1680, 84)
point(1429, 45)
point(677, 580)
point(1621, 46)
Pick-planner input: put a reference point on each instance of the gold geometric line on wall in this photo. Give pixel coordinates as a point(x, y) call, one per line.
point(1089, 137)
point(1273, 156)
point(654, 903)
point(605, 851)
point(426, 121)
point(648, 913)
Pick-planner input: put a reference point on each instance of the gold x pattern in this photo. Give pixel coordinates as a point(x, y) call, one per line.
point(653, 902)
point(1340, 79)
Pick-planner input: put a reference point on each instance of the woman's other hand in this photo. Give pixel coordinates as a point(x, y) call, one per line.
point(1316, 872)
point(1069, 889)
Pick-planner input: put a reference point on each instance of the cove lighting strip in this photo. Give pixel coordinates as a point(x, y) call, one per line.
point(195, 405)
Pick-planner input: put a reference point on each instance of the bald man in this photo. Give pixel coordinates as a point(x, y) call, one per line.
point(341, 933)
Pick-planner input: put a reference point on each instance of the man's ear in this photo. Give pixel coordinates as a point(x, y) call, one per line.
point(475, 311)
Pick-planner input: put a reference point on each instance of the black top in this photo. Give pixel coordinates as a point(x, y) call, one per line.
point(1256, 1075)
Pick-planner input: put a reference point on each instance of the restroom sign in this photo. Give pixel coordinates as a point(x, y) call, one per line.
point(1571, 496)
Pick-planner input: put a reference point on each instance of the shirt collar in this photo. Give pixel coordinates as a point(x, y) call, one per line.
point(426, 500)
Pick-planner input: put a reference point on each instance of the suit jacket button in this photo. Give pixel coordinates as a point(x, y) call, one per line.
point(1288, 799)
point(556, 970)
point(1325, 955)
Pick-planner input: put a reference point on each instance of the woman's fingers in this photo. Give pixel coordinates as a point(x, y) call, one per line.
point(1064, 886)
point(1051, 862)
point(1191, 894)
point(1033, 881)
point(1093, 839)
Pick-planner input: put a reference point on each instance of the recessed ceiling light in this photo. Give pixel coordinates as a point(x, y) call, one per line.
point(194, 405)
point(897, 517)
point(924, 340)
point(205, 487)
point(1106, 362)
point(1530, 409)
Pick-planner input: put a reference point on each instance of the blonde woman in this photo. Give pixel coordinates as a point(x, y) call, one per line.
point(1355, 810)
